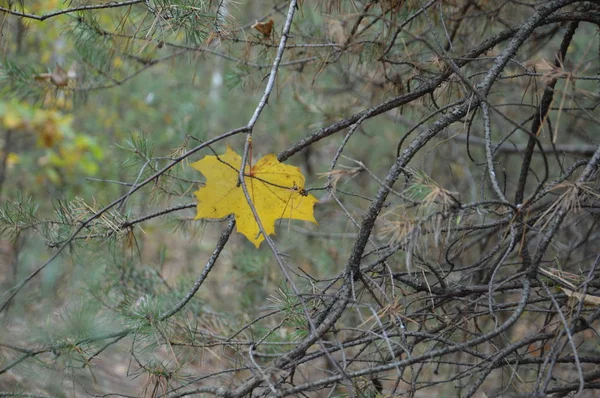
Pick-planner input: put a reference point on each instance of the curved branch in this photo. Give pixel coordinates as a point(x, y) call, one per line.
point(112, 4)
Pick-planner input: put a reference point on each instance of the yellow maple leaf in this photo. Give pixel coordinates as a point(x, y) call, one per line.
point(276, 190)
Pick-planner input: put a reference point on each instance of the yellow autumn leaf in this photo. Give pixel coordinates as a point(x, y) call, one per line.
point(276, 190)
point(12, 159)
point(12, 120)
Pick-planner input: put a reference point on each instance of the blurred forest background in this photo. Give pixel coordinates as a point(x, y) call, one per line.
point(453, 146)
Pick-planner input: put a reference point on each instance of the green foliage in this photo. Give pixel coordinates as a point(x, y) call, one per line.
point(294, 320)
point(17, 215)
point(17, 80)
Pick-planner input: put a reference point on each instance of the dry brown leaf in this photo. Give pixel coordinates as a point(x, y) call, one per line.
point(264, 27)
point(335, 31)
point(587, 299)
point(58, 77)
